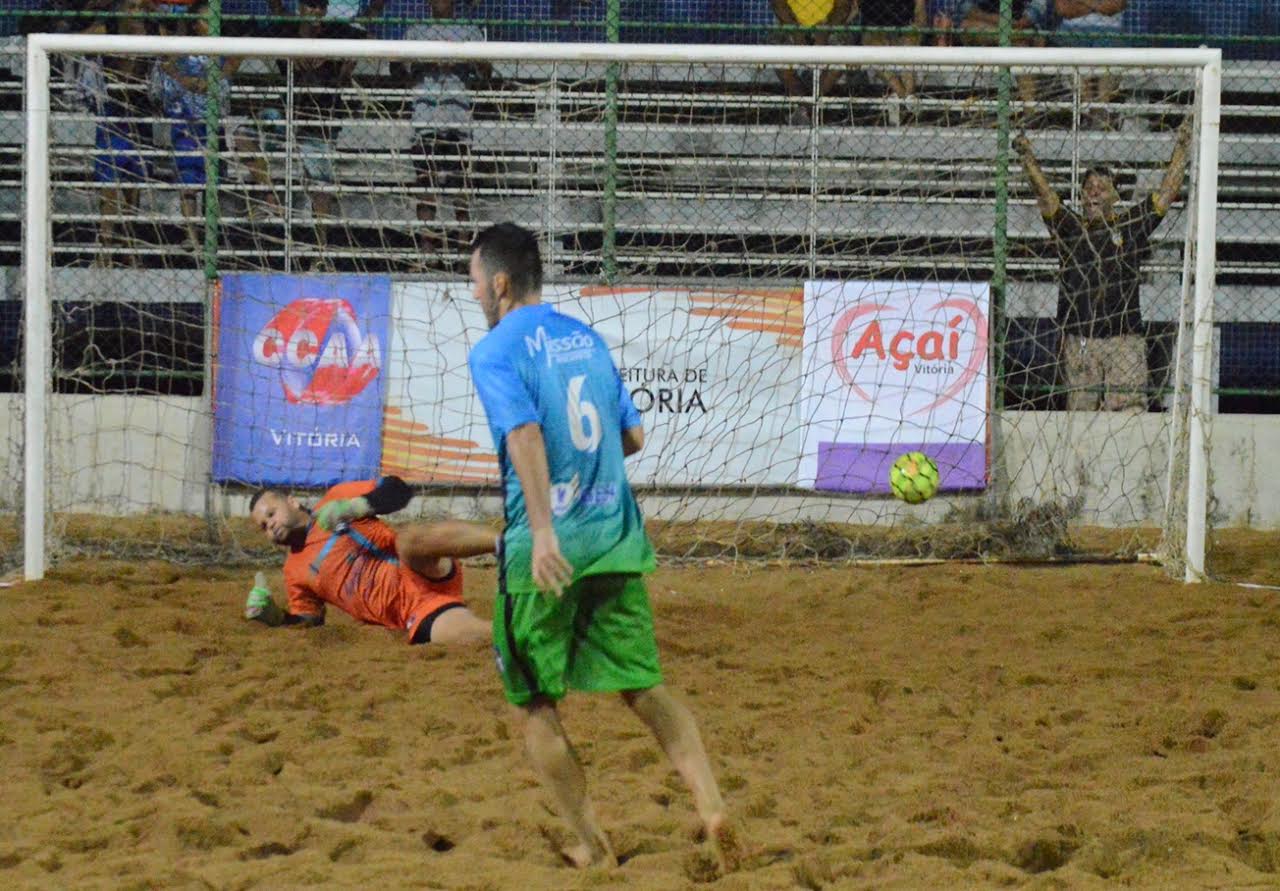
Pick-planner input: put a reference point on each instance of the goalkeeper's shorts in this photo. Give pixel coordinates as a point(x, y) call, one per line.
point(427, 599)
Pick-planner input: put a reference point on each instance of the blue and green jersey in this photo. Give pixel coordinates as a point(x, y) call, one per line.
point(539, 366)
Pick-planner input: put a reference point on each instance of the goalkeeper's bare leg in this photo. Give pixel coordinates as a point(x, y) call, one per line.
point(673, 725)
point(460, 626)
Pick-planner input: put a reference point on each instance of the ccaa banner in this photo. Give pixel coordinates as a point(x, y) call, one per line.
point(707, 368)
point(299, 384)
point(893, 367)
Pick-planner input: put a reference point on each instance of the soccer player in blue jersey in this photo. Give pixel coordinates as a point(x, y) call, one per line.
point(572, 610)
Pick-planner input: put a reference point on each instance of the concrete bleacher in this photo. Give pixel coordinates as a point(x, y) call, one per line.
point(714, 181)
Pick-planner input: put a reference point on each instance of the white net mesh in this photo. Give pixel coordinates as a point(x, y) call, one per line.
point(798, 289)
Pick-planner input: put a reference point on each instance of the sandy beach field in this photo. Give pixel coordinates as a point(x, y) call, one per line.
point(952, 726)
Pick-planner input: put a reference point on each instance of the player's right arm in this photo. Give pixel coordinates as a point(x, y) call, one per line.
point(528, 454)
point(1046, 197)
point(513, 418)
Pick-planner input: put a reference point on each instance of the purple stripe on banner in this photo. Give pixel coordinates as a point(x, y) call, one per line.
point(849, 467)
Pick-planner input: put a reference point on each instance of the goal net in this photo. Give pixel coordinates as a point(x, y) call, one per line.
point(248, 265)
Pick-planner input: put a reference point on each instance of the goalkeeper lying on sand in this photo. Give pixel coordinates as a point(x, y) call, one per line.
point(342, 554)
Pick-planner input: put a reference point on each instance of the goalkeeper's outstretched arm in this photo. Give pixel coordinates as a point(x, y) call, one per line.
point(388, 496)
point(261, 607)
point(274, 617)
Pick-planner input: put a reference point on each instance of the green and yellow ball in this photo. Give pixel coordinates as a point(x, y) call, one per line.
point(914, 477)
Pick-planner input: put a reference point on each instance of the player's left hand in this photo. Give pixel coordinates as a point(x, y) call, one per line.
point(332, 515)
point(551, 571)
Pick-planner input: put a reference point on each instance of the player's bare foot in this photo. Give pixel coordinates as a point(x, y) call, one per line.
point(586, 856)
point(724, 839)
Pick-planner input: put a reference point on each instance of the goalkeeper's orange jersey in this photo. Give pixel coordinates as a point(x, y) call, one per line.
point(358, 571)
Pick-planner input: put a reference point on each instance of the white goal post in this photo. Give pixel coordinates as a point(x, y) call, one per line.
point(37, 235)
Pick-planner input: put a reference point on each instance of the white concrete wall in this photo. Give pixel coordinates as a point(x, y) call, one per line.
point(128, 454)
point(115, 454)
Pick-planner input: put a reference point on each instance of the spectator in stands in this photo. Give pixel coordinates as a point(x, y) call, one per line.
point(1089, 23)
point(336, 11)
point(174, 23)
point(114, 90)
point(263, 135)
point(817, 15)
point(442, 124)
point(60, 16)
point(1100, 253)
point(183, 83)
point(980, 26)
point(318, 101)
point(943, 20)
point(894, 23)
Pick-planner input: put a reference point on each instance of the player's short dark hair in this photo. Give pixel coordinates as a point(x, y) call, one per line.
point(314, 4)
point(266, 490)
point(1098, 170)
point(512, 249)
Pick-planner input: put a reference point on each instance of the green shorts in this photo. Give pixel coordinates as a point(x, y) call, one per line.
point(598, 637)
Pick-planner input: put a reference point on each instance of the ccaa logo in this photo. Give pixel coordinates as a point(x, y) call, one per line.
point(320, 352)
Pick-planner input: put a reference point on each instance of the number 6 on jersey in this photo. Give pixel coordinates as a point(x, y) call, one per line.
point(584, 420)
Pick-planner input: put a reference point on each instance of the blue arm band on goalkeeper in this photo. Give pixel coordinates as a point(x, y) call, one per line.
point(390, 495)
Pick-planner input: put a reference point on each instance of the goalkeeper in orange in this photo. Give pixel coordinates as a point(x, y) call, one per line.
point(341, 553)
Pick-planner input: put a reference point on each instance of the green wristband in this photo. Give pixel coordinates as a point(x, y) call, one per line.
point(258, 598)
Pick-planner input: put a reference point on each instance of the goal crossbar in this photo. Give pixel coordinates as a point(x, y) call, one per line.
point(658, 53)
